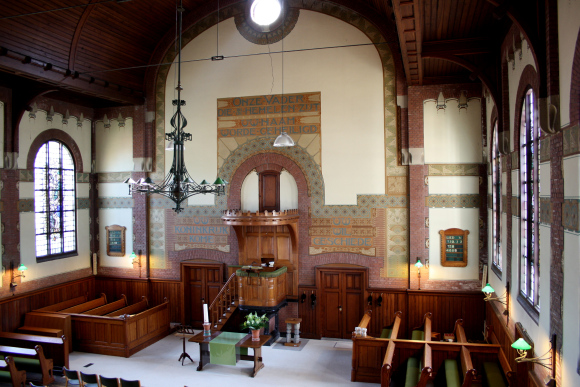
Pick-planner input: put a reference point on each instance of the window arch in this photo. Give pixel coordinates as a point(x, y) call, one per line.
point(496, 201)
point(54, 201)
point(530, 187)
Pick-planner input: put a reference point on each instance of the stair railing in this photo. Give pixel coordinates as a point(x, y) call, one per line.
point(226, 298)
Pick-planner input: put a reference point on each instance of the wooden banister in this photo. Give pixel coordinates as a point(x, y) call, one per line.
point(227, 296)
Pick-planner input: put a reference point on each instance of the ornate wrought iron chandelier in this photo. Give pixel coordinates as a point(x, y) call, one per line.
point(178, 184)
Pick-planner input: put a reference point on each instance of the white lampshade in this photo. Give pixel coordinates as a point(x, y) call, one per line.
point(284, 140)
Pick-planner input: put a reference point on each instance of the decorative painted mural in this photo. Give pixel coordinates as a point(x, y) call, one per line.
point(196, 232)
point(240, 119)
point(351, 235)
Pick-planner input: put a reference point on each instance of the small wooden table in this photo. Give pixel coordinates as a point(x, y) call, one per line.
point(246, 342)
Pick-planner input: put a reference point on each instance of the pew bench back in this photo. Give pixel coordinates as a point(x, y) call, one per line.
point(10, 374)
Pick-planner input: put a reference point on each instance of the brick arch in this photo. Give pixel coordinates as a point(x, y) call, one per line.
point(575, 86)
point(59, 135)
point(267, 161)
point(529, 80)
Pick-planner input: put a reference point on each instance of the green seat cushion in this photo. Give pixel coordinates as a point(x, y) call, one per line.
point(452, 373)
point(5, 376)
point(418, 335)
point(26, 363)
point(386, 333)
point(494, 375)
point(413, 372)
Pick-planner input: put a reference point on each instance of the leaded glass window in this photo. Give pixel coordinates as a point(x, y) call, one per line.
point(54, 201)
point(530, 188)
point(496, 197)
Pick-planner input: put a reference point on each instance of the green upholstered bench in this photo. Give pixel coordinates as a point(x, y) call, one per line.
point(10, 374)
point(494, 375)
point(413, 372)
point(31, 360)
point(418, 335)
point(452, 373)
point(386, 333)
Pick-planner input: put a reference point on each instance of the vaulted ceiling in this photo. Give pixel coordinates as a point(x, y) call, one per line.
point(70, 45)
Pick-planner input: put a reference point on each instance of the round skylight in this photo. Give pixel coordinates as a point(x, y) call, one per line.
point(265, 12)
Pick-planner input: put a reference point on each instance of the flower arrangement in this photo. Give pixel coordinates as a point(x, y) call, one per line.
point(253, 321)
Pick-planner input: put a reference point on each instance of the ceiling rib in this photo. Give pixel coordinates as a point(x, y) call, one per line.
point(409, 27)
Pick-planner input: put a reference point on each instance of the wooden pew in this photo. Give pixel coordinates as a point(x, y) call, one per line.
point(469, 373)
point(30, 360)
point(80, 308)
point(459, 331)
point(503, 361)
point(108, 308)
point(135, 308)
point(423, 333)
point(63, 305)
point(10, 374)
point(387, 366)
point(49, 320)
point(55, 348)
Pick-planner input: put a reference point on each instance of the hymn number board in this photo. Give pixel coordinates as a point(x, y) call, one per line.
point(116, 240)
point(454, 247)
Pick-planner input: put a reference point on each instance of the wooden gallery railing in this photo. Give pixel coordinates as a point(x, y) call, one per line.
point(225, 303)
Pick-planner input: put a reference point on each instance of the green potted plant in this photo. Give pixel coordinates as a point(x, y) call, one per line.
point(255, 323)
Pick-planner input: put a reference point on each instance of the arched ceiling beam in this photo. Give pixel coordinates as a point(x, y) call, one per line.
point(76, 37)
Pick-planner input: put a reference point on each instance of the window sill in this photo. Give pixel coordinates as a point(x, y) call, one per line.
point(56, 256)
point(529, 308)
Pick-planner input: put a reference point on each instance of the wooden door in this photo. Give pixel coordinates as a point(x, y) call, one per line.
point(269, 191)
point(341, 304)
point(202, 283)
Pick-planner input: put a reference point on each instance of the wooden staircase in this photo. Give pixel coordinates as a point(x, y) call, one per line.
point(225, 303)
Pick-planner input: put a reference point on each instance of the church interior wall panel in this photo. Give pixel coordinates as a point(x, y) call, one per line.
point(454, 185)
point(443, 219)
point(31, 125)
point(452, 136)
point(114, 145)
point(123, 218)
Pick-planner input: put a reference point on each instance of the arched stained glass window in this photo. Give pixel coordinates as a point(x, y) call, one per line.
point(54, 201)
point(496, 194)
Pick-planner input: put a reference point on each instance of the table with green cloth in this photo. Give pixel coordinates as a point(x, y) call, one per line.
point(227, 348)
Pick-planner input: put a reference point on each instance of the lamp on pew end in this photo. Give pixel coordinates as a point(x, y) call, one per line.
point(546, 360)
point(21, 268)
point(419, 265)
point(488, 290)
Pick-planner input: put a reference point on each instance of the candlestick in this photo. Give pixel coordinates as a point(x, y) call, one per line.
point(205, 314)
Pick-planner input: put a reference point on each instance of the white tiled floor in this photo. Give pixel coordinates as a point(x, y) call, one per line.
point(319, 363)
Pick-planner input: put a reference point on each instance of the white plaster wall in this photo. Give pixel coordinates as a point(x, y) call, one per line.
point(30, 128)
point(122, 217)
point(571, 301)
point(572, 177)
point(568, 25)
point(442, 219)
point(515, 183)
point(113, 190)
point(539, 332)
point(453, 185)
point(514, 75)
point(452, 136)
point(250, 193)
point(571, 308)
point(350, 81)
point(288, 192)
point(504, 183)
point(114, 146)
point(46, 269)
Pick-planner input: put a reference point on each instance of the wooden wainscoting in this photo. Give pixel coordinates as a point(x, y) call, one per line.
point(307, 313)
point(13, 309)
point(156, 290)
